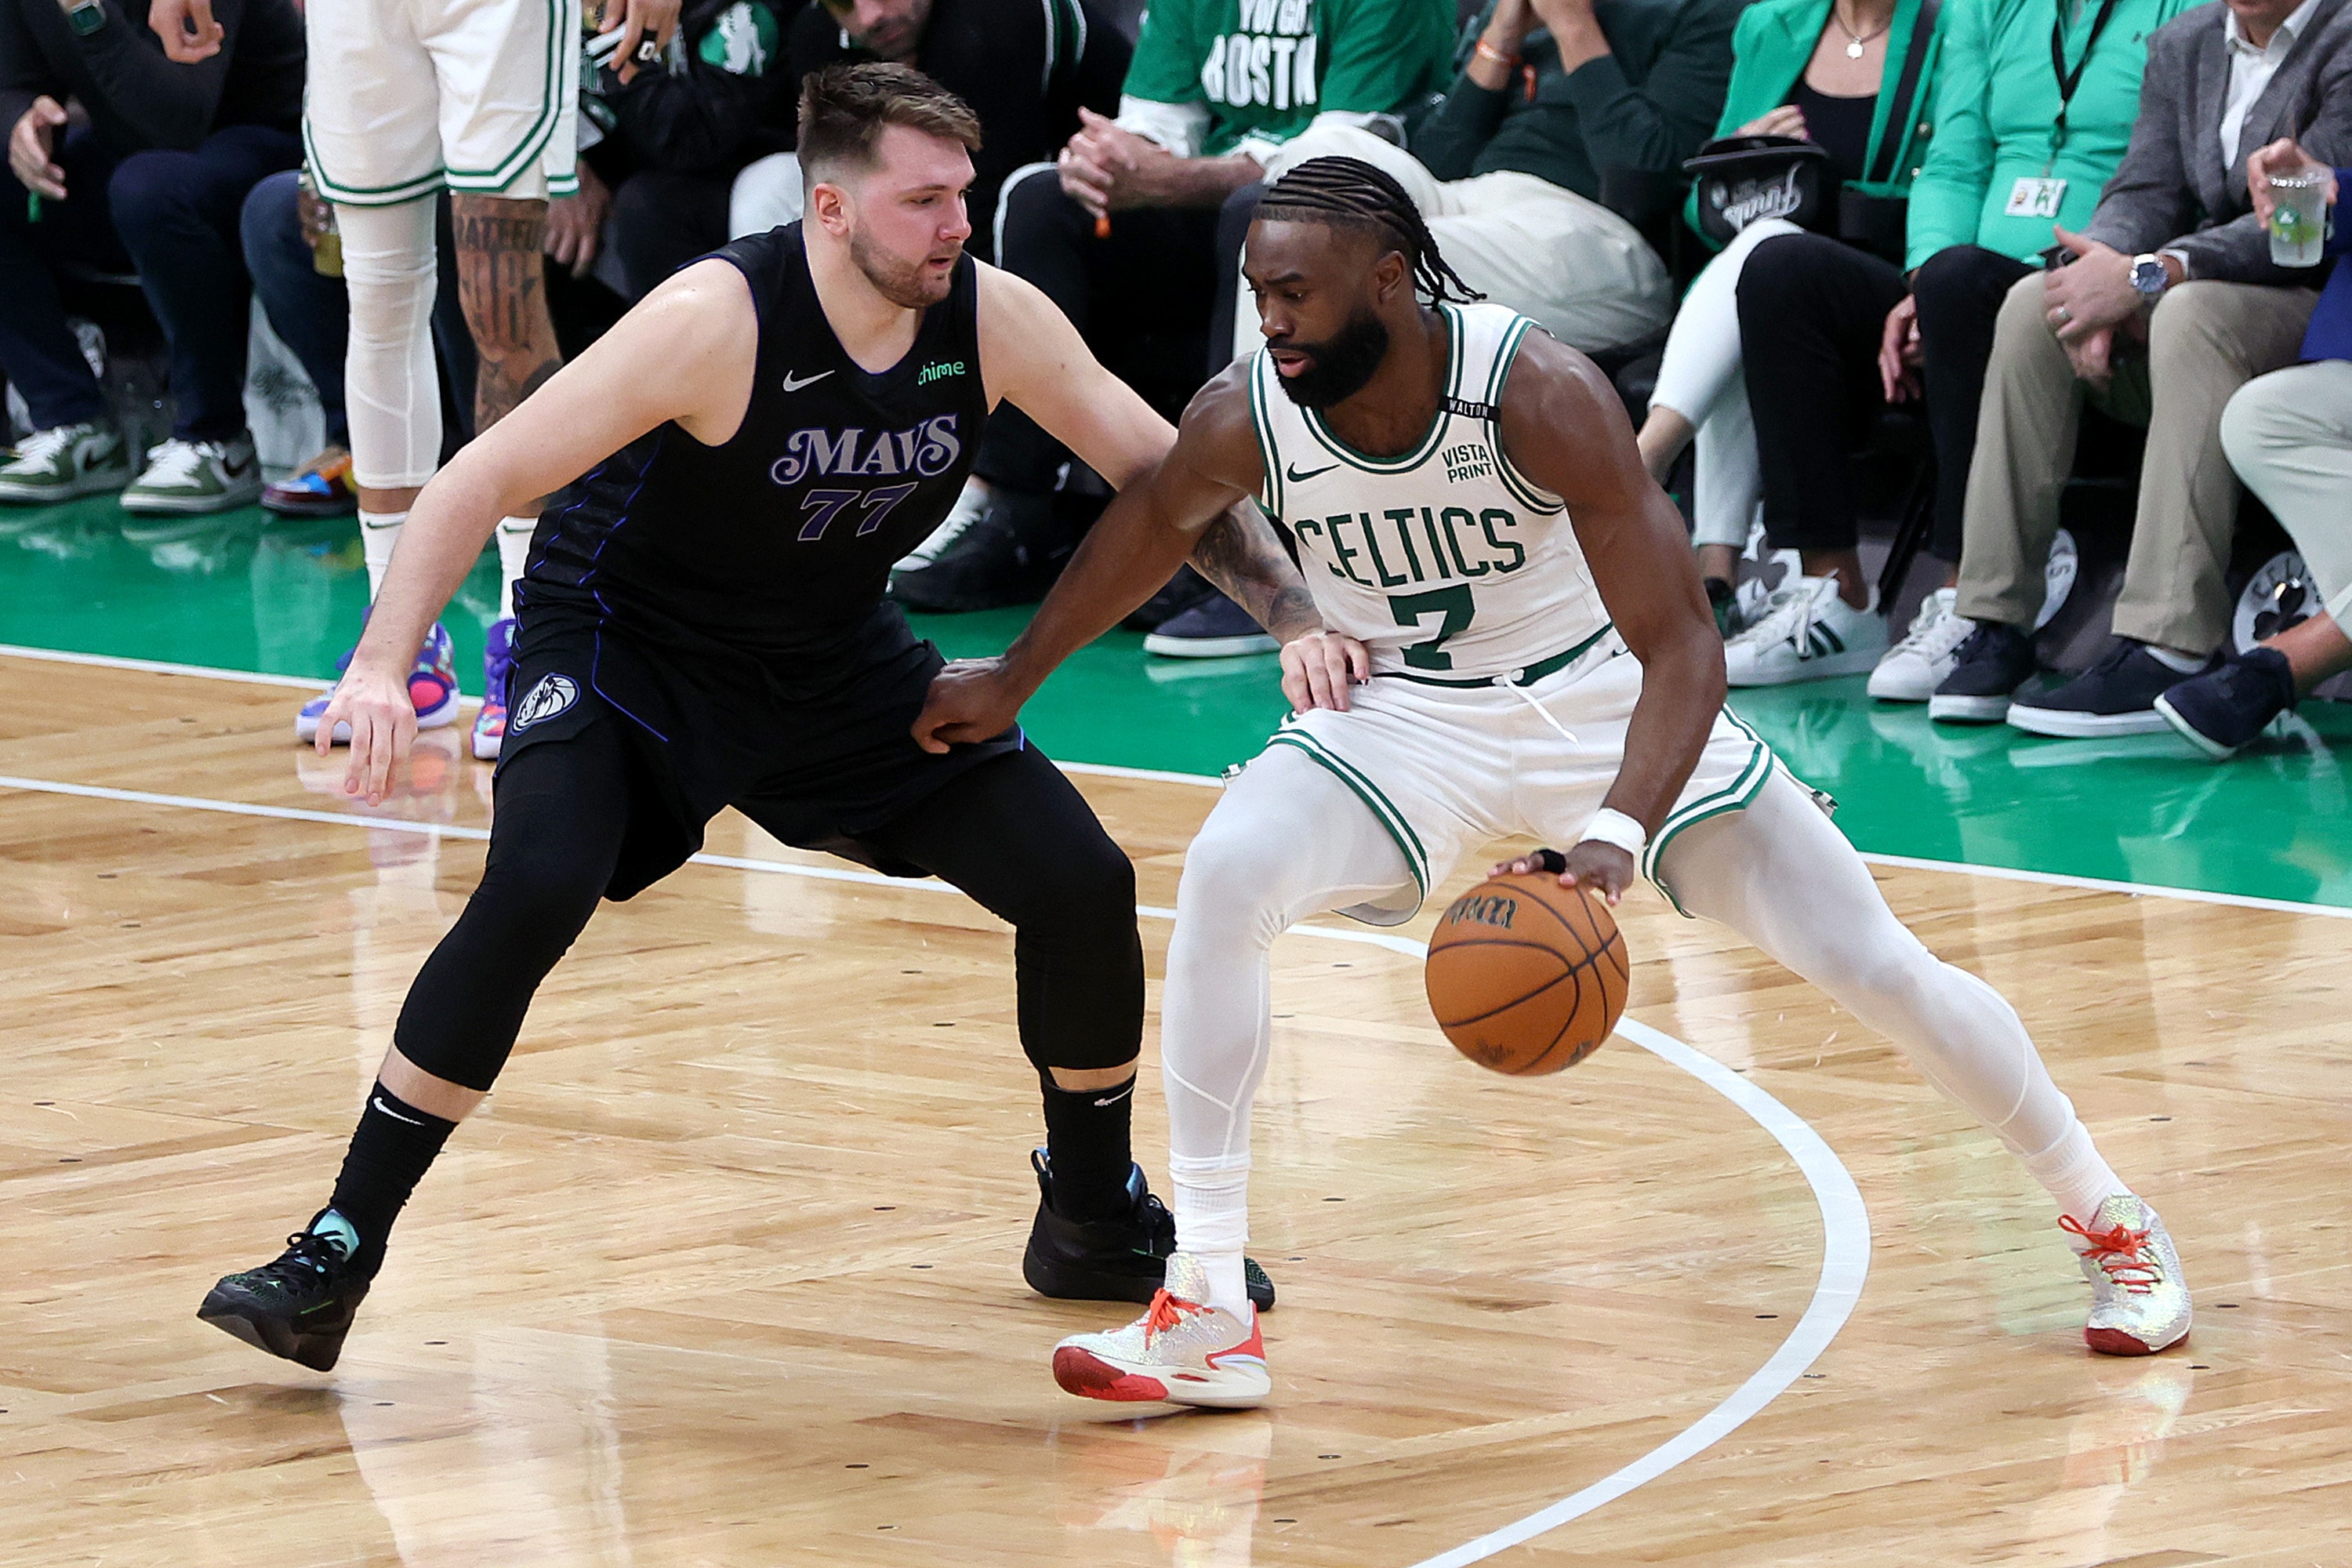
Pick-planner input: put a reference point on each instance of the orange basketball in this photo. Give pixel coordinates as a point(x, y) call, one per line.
point(1526, 976)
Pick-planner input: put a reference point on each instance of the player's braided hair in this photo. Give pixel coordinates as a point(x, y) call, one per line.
point(1349, 191)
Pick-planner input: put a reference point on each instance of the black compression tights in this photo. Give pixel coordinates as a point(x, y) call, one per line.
point(1011, 833)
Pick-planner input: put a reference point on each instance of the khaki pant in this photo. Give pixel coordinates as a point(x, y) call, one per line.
point(2205, 340)
point(2289, 436)
point(1585, 274)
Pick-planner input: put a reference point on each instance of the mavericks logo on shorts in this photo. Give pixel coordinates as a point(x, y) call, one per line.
point(553, 695)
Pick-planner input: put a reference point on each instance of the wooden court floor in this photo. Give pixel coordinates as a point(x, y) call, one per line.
point(726, 1271)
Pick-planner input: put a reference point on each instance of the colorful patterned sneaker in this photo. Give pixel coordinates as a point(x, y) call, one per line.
point(1807, 632)
point(64, 461)
point(196, 476)
point(2139, 1303)
point(490, 723)
point(1181, 1352)
point(432, 687)
point(320, 488)
point(300, 1306)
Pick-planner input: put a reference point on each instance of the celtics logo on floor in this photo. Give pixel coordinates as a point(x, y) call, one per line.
point(553, 695)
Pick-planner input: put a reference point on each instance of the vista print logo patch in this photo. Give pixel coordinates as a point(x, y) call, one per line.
point(553, 695)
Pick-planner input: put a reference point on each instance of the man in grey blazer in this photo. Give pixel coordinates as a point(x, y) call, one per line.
point(2168, 304)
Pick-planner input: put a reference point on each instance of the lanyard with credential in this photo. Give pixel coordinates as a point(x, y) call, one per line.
point(2068, 80)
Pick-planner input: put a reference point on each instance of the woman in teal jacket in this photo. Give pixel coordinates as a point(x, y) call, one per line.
point(1830, 73)
point(1828, 341)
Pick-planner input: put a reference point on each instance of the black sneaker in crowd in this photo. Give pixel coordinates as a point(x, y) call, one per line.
point(299, 1307)
point(1994, 661)
point(2223, 710)
point(1216, 627)
point(1723, 599)
point(1010, 555)
point(2115, 695)
point(1123, 1258)
point(1180, 593)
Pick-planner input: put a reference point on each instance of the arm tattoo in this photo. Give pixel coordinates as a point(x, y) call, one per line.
point(1240, 555)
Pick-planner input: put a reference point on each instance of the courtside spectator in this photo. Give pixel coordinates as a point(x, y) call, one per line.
point(2174, 259)
point(1120, 232)
point(1026, 69)
point(1830, 74)
point(2289, 436)
point(145, 172)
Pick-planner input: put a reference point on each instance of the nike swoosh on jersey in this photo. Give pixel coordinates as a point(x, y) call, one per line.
point(795, 382)
point(1298, 479)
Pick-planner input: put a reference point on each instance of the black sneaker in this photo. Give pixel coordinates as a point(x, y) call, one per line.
point(299, 1307)
point(1216, 627)
point(2221, 712)
point(2115, 695)
point(1119, 1259)
point(1180, 592)
point(1994, 661)
point(1010, 555)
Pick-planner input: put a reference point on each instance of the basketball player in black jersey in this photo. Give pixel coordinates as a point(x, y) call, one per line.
point(702, 624)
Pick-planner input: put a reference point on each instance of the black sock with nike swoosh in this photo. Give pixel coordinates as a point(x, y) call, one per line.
point(1087, 1142)
point(392, 1146)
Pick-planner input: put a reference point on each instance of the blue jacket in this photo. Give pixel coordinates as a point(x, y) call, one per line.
point(2329, 336)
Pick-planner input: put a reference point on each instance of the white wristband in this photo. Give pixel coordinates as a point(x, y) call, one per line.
point(1615, 827)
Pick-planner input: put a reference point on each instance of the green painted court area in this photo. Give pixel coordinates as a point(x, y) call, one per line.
point(249, 593)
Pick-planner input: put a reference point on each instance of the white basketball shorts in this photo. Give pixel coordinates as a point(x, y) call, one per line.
point(406, 96)
point(1449, 768)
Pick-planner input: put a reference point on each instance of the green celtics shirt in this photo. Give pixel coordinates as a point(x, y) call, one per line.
point(1265, 67)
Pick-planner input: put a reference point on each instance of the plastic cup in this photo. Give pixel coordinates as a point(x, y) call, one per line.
point(2299, 217)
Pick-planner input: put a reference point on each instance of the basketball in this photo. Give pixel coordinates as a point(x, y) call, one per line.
point(1526, 976)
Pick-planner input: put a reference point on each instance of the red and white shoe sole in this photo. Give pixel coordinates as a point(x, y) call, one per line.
point(2114, 1342)
point(1088, 1375)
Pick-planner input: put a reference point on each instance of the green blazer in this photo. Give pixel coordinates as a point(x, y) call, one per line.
point(1769, 52)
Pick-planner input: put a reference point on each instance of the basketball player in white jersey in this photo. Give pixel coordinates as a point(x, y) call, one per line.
point(1511, 640)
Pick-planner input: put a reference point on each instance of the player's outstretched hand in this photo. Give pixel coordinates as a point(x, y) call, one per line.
point(1599, 867)
point(383, 722)
point(1318, 667)
point(969, 700)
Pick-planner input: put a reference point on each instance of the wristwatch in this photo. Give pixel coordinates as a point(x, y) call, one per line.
point(2149, 277)
point(86, 16)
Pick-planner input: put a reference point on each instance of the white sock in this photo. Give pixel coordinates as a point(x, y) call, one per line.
point(379, 532)
point(2178, 662)
point(2074, 1172)
point(1212, 1224)
point(514, 555)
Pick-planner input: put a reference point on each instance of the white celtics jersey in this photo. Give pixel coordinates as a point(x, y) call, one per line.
point(1446, 561)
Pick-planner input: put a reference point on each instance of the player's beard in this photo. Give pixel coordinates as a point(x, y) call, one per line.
point(903, 283)
point(1337, 368)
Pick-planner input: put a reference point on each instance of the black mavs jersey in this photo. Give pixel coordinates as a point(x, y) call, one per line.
point(725, 604)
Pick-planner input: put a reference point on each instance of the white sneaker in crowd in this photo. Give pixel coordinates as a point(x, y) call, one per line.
point(1928, 652)
point(1806, 633)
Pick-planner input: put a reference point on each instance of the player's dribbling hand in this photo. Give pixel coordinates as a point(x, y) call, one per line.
point(1318, 667)
point(383, 722)
point(969, 700)
point(1599, 867)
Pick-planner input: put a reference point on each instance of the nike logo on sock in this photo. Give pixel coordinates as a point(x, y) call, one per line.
point(1115, 1099)
point(377, 1100)
point(795, 382)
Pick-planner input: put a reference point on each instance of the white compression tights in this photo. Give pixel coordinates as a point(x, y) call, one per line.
point(1288, 841)
point(391, 391)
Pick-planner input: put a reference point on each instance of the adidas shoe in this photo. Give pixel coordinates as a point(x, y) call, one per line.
point(2139, 1303)
point(490, 722)
point(196, 476)
point(64, 461)
point(1928, 653)
point(1123, 1258)
point(299, 1307)
point(1181, 1352)
point(1806, 633)
point(431, 687)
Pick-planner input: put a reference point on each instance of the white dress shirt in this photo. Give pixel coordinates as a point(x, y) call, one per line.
point(2251, 70)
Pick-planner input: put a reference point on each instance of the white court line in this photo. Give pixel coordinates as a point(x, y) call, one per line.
point(1845, 1224)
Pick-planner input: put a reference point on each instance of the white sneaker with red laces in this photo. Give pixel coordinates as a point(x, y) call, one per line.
point(1181, 1352)
point(2139, 1303)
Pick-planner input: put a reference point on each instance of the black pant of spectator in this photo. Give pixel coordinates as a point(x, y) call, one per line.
point(1960, 292)
point(662, 220)
point(1812, 312)
point(170, 215)
point(1141, 298)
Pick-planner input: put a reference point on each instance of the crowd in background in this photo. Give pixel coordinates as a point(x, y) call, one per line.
point(1988, 240)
